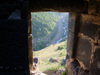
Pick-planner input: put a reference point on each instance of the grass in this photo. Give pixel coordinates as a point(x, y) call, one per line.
point(54, 68)
point(51, 52)
point(63, 73)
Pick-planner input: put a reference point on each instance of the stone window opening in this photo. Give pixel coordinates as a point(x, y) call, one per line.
point(32, 43)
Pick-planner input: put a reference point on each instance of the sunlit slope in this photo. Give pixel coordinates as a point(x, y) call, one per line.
point(56, 51)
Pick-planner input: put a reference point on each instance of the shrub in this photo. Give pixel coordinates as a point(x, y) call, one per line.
point(61, 47)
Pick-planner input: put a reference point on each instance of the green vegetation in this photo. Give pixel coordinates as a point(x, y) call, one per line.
point(63, 73)
point(61, 47)
point(43, 23)
point(55, 68)
point(51, 52)
point(45, 27)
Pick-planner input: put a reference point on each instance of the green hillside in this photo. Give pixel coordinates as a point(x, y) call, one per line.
point(43, 23)
point(57, 51)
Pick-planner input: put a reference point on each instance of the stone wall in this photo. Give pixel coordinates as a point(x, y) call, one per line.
point(16, 39)
point(89, 43)
point(88, 46)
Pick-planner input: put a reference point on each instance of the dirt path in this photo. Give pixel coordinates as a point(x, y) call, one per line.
point(59, 32)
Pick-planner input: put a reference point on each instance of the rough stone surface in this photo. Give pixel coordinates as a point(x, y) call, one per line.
point(16, 40)
point(88, 45)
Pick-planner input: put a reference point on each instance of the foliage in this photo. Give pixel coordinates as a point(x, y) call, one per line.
point(61, 47)
point(43, 24)
point(38, 44)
